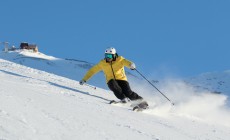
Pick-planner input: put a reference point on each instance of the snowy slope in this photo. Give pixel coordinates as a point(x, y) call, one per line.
point(38, 105)
point(217, 82)
point(72, 69)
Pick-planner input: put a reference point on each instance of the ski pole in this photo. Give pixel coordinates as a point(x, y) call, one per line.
point(91, 86)
point(155, 87)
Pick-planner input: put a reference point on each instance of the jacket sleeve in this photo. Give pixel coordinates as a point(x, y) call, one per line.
point(95, 69)
point(126, 62)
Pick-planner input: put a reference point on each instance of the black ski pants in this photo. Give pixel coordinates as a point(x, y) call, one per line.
point(121, 89)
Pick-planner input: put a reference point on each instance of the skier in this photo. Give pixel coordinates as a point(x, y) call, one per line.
point(113, 67)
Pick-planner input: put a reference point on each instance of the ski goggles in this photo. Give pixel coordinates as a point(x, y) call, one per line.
point(110, 56)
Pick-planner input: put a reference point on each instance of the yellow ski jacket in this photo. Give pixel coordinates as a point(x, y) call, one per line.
point(112, 70)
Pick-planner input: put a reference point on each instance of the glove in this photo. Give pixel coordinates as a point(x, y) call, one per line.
point(82, 82)
point(132, 66)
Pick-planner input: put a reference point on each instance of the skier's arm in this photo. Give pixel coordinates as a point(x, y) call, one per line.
point(95, 69)
point(128, 64)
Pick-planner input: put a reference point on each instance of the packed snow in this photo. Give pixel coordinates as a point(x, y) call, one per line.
point(37, 101)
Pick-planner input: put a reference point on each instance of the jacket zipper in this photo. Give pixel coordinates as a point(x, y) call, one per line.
point(113, 71)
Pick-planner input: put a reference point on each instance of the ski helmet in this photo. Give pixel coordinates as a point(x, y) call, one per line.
point(110, 50)
point(110, 53)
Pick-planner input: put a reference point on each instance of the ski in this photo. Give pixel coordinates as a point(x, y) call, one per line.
point(141, 106)
point(137, 106)
point(117, 102)
point(113, 102)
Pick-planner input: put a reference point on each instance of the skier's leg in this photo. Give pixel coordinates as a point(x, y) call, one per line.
point(127, 90)
point(113, 85)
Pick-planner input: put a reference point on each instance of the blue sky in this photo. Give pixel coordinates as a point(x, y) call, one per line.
point(163, 37)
